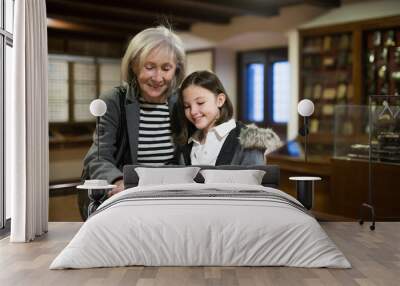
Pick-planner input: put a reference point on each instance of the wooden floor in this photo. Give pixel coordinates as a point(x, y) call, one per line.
point(374, 255)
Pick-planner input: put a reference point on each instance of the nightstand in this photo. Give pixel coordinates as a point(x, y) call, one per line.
point(305, 190)
point(97, 195)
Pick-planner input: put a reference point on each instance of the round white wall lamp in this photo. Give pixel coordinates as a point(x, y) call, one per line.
point(98, 107)
point(305, 107)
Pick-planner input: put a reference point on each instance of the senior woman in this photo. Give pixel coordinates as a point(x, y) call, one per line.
point(136, 128)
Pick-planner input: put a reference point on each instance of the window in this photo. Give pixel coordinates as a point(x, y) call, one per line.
point(84, 90)
point(280, 92)
point(74, 82)
point(264, 88)
point(58, 90)
point(109, 72)
point(255, 92)
point(6, 62)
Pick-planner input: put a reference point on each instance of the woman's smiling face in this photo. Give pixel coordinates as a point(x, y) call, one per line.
point(156, 74)
point(202, 106)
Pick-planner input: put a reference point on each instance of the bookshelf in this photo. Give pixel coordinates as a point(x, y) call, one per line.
point(343, 65)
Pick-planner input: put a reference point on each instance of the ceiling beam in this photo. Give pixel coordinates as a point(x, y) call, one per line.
point(230, 8)
point(55, 25)
point(122, 10)
point(88, 17)
point(324, 3)
point(67, 34)
point(177, 10)
point(196, 9)
point(124, 25)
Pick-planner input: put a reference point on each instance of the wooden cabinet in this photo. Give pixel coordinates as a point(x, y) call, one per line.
point(344, 185)
point(349, 187)
point(344, 64)
point(381, 61)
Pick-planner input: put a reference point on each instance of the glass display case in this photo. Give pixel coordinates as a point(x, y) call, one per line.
point(357, 128)
point(367, 141)
point(351, 132)
point(385, 128)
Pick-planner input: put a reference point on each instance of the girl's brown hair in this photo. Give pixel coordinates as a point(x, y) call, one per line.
point(208, 80)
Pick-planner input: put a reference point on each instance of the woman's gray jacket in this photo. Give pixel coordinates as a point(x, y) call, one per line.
point(245, 145)
point(118, 134)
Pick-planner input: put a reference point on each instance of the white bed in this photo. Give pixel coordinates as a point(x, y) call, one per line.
point(201, 224)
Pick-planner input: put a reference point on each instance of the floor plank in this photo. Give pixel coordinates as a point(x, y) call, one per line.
point(375, 257)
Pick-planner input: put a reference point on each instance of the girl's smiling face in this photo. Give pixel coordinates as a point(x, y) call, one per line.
point(202, 106)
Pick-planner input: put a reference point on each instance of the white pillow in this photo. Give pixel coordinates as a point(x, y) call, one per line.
point(249, 177)
point(163, 176)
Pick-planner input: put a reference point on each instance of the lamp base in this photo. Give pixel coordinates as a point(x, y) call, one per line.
point(305, 190)
point(305, 193)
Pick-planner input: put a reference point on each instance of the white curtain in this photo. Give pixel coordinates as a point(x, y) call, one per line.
point(27, 124)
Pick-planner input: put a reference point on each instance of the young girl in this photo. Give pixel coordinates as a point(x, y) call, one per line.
point(209, 135)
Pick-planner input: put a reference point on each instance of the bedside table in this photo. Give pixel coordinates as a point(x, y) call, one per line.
point(97, 195)
point(305, 190)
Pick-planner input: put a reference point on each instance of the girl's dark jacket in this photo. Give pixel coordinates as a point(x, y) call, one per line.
point(245, 145)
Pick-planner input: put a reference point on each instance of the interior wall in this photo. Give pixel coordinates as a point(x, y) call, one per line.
point(225, 68)
point(200, 60)
point(293, 56)
point(66, 164)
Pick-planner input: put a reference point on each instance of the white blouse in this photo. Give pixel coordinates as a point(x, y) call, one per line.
point(207, 153)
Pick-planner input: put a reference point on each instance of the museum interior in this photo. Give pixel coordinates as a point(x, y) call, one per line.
point(342, 55)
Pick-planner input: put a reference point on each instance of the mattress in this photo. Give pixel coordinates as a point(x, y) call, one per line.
point(201, 225)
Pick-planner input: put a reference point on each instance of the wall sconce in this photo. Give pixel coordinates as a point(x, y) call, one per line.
point(305, 108)
point(98, 108)
point(305, 184)
point(96, 189)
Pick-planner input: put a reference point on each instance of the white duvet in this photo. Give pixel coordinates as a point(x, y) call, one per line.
point(183, 231)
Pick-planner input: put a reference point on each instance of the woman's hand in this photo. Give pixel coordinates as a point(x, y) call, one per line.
point(119, 188)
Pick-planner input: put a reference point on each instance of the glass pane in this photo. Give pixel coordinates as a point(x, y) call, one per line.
point(58, 91)
point(84, 90)
point(109, 76)
point(255, 92)
point(9, 15)
point(8, 87)
point(351, 131)
point(280, 91)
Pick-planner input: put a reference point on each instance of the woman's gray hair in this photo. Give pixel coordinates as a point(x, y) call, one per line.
point(146, 41)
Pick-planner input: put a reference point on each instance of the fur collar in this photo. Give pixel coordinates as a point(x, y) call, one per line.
point(252, 137)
